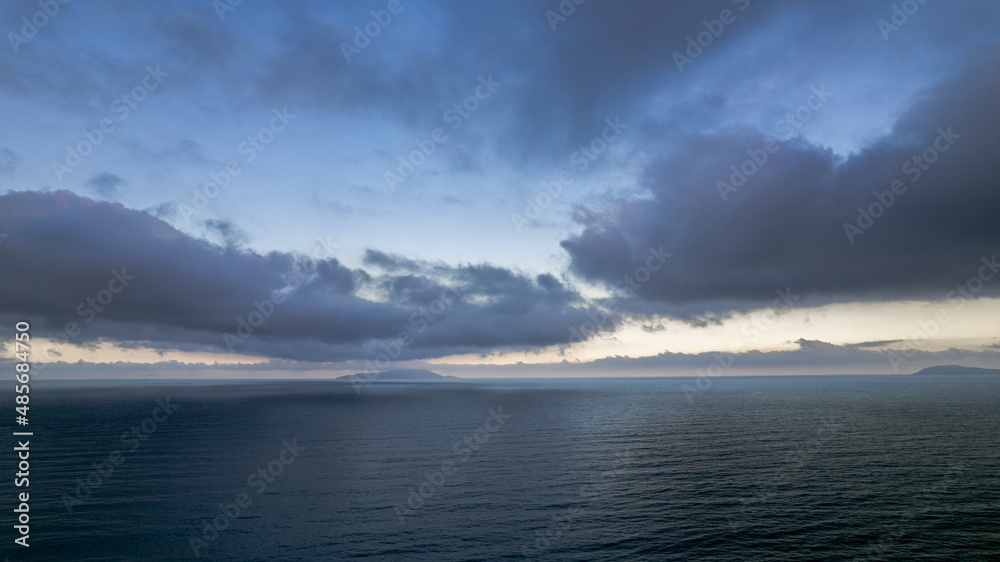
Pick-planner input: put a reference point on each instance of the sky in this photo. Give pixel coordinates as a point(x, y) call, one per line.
point(519, 188)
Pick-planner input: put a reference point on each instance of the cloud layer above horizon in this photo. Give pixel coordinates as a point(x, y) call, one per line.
point(844, 151)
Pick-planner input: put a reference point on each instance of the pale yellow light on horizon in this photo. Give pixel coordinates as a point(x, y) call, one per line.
point(47, 351)
point(973, 327)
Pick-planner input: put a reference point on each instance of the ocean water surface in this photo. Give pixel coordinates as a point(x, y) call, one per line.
point(749, 468)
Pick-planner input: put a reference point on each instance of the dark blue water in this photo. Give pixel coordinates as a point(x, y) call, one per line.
point(764, 468)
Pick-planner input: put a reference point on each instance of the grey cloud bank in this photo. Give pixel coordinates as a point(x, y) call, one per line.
point(786, 224)
point(193, 292)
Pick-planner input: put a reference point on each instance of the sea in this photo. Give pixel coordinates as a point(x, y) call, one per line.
point(733, 468)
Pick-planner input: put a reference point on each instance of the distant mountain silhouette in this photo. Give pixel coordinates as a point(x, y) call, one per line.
point(956, 370)
point(399, 375)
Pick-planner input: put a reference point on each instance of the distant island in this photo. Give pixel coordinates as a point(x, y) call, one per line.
point(398, 375)
point(956, 370)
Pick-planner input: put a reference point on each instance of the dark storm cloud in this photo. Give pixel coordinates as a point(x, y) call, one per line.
point(69, 246)
point(309, 70)
point(786, 226)
point(606, 58)
point(185, 293)
point(559, 84)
